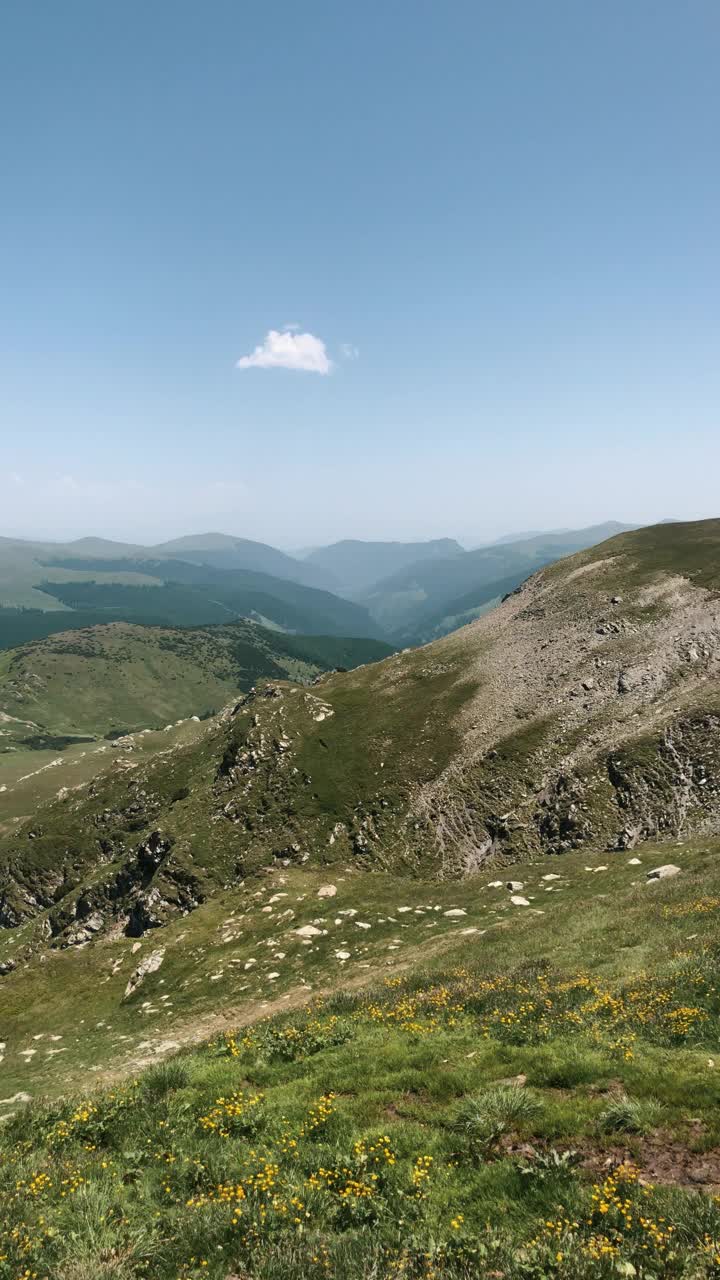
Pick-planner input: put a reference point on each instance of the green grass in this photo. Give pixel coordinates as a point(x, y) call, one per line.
point(122, 677)
point(341, 788)
point(517, 1087)
point(688, 549)
point(342, 1063)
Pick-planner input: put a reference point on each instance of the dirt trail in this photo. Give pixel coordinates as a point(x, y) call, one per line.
point(196, 1030)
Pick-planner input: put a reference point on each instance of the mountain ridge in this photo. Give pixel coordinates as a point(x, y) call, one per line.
point(429, 598)
point(582, 712)
point(356, 564)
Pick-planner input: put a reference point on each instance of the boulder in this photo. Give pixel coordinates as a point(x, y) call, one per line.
point(663, 873)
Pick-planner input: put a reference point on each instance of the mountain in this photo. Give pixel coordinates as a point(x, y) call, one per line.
point(201, 945)
point(355, 566)
point(608, 530)
point(117, 678)
point(225, 552)
point(212, 578)
point(40, 585)
point(584, 710)
point(431, 597)
point(22, 561)
point(522, 537)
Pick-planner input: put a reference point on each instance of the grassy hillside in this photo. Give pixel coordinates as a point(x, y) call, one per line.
point(432, 597)
point(161, 591)
point(583, 711)
point(22, 562)
point(118, 678)
point(440, 867)
point(516, 1115)
point(219, 596)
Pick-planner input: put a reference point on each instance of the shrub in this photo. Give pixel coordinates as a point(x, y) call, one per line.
point(483, 1120)
point(625, 1115)
point(166, 1077)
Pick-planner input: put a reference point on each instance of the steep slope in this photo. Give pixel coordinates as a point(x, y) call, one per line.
point(118, 677)
point(584, 711)
point(431, 597)
point(356, 565)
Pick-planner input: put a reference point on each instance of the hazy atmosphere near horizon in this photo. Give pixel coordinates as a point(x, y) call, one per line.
point(407, 270)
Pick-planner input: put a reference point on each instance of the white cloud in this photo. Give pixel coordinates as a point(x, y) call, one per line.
point(288, 350)
point(349, 351)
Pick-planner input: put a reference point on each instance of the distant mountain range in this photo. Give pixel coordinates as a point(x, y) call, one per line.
point(429, 598)
point(583, 713)
point(355, 566)
point(402, 592)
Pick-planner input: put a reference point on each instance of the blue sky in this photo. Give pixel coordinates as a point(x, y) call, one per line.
point(498, 221)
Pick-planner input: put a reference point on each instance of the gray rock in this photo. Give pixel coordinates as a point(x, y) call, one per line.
point(77, 938)
point(150, 964)
point(515, 886)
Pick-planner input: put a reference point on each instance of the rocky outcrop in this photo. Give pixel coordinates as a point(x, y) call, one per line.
point(150, 964)
point(668, 784)
point(143, 894)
